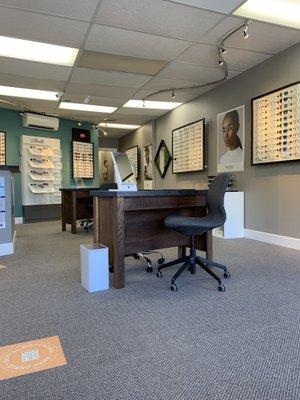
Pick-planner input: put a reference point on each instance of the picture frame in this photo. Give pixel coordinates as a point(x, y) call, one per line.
point(133, 156)
point(148, 163)
point(275, 126)
point(162, 159)
point(188, 147)
point(231, 140)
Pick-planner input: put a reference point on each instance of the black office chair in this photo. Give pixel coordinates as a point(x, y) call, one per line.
point(192, 227)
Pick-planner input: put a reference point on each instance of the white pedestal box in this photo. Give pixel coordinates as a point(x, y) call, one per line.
point(234, 224)
point(94, 267)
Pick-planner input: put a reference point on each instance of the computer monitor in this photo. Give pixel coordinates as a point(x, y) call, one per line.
point(124, 174)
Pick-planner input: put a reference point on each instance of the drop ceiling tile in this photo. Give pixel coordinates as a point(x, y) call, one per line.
point(265, 38)
point(193, 72)
point(31, 83)
point(82, 115)
point(157, 17)
point(215, 35)
point(98, 100)
point(159, 83)
point(107, 39)
point(40, 106)
point(201, 54)
point(43, 28)
point(34, 69)
point(77, 9)
point(142, 112)
point(129, 119)
point(100, 90)
point(213, 5)
point(110, 78)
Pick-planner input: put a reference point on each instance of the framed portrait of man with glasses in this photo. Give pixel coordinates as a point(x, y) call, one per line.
point(230, 140)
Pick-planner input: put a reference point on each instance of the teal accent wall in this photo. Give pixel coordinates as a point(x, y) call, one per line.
point(11, 123)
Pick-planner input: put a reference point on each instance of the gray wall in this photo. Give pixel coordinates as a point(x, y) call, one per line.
point(109, 143)
point(141, 137)
point(272, 193)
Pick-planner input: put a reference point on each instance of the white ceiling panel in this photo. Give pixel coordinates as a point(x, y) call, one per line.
point(98, 100)
point(84, 115)
point(77, 9)
point(158, 17)
point(31, 83)
point(141, 111)
point(129, 119)
point(126, 42)
point(214, 5)
point(215, 35)
point(39, 106)
point(110, 78)
point(100, 90)
point(193, 72)
point(159, 83)
point(34, 69)
point(265, 38)
point(181, 96)
point(42, 28)
point(207, 55)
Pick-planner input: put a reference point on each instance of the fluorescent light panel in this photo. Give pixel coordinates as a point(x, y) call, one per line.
point(11, 91)
point(86, 107)
point(280, 12)
point(37, 51)
point(155, 105)
point(118, 126)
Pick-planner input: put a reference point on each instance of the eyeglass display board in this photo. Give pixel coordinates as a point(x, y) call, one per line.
point(41, 167)
point(83, 160)
point(2, 148)
point(276, 126)
point(133, 156)
point(188, 147)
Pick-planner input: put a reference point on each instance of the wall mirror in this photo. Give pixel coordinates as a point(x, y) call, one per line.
point(162, 159)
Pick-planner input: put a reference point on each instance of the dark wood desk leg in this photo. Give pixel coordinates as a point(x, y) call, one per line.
point(118, 243)
point(181, 251)
point(209, 250)
point(96, 219)
point(63, 213)
point(74, 216)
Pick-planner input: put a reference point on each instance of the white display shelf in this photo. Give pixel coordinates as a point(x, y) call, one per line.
point(41, 176)
point(41, 188)
point(40, 150)
point(40, 163)
point(234, 225)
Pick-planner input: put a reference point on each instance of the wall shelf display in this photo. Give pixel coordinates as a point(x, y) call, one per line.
point(83, 160)
point(162, 159)
point(2, 148)
point(188, 147)
point(276, 126)
point(41, 170)
point(133, 156)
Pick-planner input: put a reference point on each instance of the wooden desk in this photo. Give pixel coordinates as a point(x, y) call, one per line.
point(132, 222)
point(75, 206)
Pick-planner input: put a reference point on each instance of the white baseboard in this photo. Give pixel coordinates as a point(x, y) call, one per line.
point(18, 220)
point(6, 248)
point(279, 240)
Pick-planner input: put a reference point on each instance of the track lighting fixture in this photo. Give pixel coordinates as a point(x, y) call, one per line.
point(223, 51)
point(144, 104)
point(173, 94)
point(246, 34)
point(221, 62)
point(87, 99)
point(79, 123)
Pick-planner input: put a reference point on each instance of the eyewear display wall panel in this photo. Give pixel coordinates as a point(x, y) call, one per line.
point(276, 126)
point(188, 147)
point(83, 160)
point(133, 156)
point(2, 148)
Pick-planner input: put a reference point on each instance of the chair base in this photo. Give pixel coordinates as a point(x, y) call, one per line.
point(191, 262)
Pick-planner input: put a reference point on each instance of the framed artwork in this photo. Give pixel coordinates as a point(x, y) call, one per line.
point(188, 147)
point(2, 148)
point(231, 140)
point(148, 162)
point(162, 159)
point(133, 156)
point(276, 126)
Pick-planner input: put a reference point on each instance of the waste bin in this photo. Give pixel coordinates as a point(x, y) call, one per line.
point(94, 267)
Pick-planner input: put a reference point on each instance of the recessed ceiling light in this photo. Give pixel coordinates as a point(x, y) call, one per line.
point(37, 51)
point(281, 12)
point(86, 107)
point(11, 91)
point(118, 126)
point(155, 105)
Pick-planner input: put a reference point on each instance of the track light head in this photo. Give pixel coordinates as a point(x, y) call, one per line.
point(79, 123)
point(245, 32)
point(173, 94)
point(221, 62)
point(223, 51)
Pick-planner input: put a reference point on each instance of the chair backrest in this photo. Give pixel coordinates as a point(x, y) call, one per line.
point(215, 197)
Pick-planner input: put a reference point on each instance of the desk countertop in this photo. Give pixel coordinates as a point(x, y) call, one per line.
point(148, 193)
point(12, 168)
point(85, 189)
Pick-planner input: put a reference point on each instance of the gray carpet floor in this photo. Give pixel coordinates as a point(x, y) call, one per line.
point(146, 342)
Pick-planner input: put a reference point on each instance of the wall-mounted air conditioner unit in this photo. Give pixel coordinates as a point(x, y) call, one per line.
point(37, 121)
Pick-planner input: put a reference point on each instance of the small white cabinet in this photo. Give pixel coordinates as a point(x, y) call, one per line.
point(234, 225)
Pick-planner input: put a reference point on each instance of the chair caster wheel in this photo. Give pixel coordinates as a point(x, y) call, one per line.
point(149, 268)
point(174, 287)
point(227, 274)
point(111, 269)
point(158, 274)
point(161, 260)
point(221, 288)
